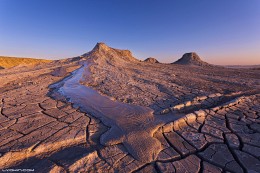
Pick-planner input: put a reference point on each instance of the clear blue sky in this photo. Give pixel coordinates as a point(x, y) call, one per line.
point(220, 31)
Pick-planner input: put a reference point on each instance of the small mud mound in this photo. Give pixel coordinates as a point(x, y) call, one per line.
point(191, 59)
point(151, 60)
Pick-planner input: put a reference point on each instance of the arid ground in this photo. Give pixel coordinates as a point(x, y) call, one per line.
point(106, 111)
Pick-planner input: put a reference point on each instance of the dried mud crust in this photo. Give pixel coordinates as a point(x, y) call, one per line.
point(51, 136)
point(161, 85)
point(219, 131)
point(213, 99)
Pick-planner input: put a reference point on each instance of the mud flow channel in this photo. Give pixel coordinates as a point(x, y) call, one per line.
point(131, 125)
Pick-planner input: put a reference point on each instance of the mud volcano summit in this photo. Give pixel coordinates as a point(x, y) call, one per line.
point(107, 111)
point(191, 59)
point(151, 60)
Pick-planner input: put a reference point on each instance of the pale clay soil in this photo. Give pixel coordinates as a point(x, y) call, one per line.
point(123, 115)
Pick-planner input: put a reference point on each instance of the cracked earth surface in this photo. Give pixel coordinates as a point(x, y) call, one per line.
point(217, 129)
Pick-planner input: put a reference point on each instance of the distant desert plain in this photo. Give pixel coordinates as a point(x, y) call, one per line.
point(106, 111)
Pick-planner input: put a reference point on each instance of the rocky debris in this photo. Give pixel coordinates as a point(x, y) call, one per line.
point(191, 59)
point(216, 130)
point(151, 60)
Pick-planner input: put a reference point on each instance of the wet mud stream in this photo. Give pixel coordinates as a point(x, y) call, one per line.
point(131, 125)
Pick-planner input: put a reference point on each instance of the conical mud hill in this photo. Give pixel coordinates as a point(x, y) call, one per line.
point(151, 60)
point(191, 58)
point(104, 52)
